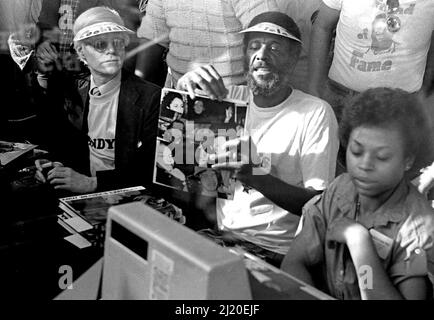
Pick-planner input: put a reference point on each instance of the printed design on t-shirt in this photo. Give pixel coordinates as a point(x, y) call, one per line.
point(101, 143)
point(382, 40)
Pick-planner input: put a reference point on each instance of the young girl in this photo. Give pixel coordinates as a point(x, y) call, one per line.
point(348, 244)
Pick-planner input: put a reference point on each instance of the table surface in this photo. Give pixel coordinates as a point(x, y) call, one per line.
point(32, 245)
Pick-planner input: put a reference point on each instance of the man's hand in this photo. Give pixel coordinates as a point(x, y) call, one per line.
point(243, 157)
point(64, 178)
point(47, 56)
point(43, 166)
point(203, 80)
point(229, 115)
point(425, 181)
point(344, 230)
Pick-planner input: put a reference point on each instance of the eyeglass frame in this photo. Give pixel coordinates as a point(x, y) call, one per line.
point(122, 40)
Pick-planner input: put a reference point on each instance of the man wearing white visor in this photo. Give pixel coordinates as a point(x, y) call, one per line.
point(295, 135)
point(114, 114)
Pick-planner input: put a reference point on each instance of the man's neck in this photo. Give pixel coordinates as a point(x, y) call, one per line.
point(274, 99)
point(101, 79)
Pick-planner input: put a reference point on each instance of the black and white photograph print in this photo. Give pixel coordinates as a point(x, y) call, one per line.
point(191, 133)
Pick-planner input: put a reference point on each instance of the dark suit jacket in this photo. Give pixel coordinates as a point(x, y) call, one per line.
point(136, 130)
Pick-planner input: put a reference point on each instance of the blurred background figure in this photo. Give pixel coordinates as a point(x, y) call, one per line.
point(56, 21)
point(36, 45)
point(20, 102)
point(384, 43)
point(198, 33)
point(111, 141)
point(16, 13)
point(301, 12)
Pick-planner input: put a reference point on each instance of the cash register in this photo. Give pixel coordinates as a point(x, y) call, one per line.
point(149, 256)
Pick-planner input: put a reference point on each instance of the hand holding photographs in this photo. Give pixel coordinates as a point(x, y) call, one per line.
point(250, 163)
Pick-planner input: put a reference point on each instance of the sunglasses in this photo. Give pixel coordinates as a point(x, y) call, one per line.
point(101, 45)
point(392, 20)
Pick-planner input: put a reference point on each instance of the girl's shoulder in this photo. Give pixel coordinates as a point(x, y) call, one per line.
point(416, 203)
point(336, 199)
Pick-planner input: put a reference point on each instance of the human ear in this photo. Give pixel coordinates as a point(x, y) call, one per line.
point(409, 161)
point(80, 53)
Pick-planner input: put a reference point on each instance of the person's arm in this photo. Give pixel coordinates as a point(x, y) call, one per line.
point(286, 196)
point(295, 263)
point(64, 178)
point(417, 232)
point(364, 257)
point(425, 181)
point(47, 57)
point(428, 80)
point(318, 159)
point(210, 82)
point(246, 10)
point(363, 254)
point(320, 46)
point(307, 249)
point(152, 26)
point(204, 80)
point(138, 169)
point(254, 172)
point(317, 162)
point(149, 61)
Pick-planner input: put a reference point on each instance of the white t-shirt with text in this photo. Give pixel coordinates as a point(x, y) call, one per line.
point(301, 137)
point(103, 110)
point(368, 55)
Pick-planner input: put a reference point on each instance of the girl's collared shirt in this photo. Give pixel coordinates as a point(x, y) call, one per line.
point(338, 201)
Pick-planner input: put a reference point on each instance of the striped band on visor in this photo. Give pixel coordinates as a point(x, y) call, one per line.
point(100, 28)
point(268, 27)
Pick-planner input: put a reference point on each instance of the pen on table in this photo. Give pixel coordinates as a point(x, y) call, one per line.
point(6, 144)
point(7, 148)
point(33, 168)
point(27, 169)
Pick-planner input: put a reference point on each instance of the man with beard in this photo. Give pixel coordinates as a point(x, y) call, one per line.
point(293, 133)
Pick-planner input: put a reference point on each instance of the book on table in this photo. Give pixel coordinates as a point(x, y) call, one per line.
point(87, 214)
point(10, 151)
point(84, 212)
